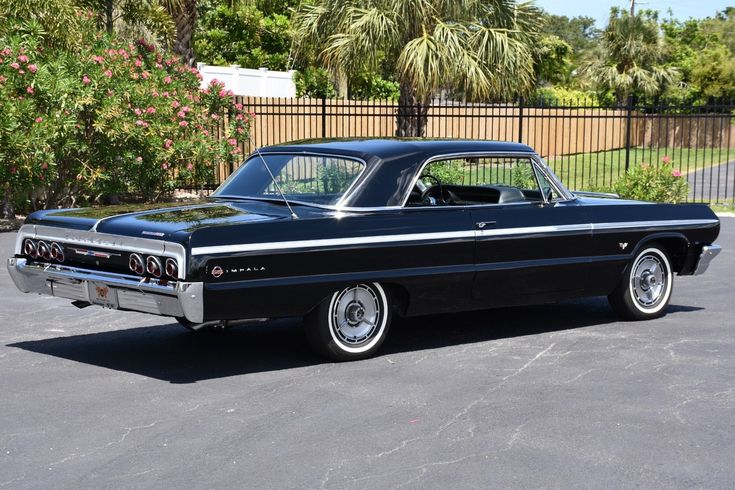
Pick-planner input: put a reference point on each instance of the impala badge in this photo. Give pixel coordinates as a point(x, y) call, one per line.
point(623, 245)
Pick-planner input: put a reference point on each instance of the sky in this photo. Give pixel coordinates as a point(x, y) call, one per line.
point(600, 9)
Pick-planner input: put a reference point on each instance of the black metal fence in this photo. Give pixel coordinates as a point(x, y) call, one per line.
point(588, 146)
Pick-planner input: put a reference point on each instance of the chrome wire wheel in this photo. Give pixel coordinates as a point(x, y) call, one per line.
point(648, 280)
point(356, 316)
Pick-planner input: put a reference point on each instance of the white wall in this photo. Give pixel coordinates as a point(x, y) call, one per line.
point(246, 81)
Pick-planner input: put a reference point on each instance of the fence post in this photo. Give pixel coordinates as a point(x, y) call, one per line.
point(628, 129)
point(324, 117)
point(520, 119)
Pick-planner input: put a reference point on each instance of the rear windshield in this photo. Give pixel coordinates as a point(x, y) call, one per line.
point(313, 179)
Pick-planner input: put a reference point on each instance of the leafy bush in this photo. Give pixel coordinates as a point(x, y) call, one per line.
point(315, 83)
point(242, 33)
point(659, 183)
point(558, 95)
point(105, 119)
point(368, 86)
point(447, 171)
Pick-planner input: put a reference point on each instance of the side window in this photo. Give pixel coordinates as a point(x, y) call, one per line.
point(480, 180)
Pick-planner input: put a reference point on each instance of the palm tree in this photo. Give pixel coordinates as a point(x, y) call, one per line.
point(136, 19)
point(166, 22)
point(631, 57)
point(184, 15)
point(480, 48)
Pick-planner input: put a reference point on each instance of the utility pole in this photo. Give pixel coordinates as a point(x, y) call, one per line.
point(632, 8)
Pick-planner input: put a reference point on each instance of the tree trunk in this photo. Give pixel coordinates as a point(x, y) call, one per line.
point(6, 205)
point(412, 111)
point(185, 17)
point(108, 16)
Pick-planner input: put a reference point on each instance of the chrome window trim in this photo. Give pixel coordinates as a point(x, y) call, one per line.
point(146, 246)
point(337, 206)
point(536, 161)
point(553, 179)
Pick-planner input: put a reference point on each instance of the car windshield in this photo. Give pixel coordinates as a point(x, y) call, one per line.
point(316, 179)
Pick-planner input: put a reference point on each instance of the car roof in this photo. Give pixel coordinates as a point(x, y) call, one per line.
point(394, 149)
point(392, 163)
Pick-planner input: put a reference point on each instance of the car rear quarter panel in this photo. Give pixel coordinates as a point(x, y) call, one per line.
point(614, 244)
point(434, 274)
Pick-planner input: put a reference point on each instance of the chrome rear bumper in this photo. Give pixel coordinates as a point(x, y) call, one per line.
point(178, 299)
point(709, 252)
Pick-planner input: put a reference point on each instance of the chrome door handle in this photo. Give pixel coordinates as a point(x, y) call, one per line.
point(483, 224)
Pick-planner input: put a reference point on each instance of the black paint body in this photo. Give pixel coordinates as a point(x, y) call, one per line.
point(426, 275)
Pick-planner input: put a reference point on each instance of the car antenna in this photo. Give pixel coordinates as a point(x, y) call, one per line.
point(278, 187)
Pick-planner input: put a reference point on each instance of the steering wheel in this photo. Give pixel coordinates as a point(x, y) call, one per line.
point(428, 195)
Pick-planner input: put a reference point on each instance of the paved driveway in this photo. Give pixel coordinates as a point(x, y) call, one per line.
point(713, 184)
point(549, 396)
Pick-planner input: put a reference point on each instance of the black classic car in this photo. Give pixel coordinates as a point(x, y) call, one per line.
point(348, 233)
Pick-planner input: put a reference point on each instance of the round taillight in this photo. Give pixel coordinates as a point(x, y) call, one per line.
point(153, 266)
point(30, 249)
point(57, 253)
point(172, 268)
point(43, 250)
point(135, 262)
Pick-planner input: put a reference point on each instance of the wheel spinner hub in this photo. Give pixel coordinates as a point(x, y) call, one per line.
point(355, 312)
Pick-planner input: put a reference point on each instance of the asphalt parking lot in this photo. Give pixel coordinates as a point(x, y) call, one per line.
point(548, 396)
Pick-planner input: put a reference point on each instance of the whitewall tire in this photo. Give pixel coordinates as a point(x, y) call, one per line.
point(351, 324)
point(646, 286)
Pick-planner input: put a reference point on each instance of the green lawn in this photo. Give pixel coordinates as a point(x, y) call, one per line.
point(598, 171)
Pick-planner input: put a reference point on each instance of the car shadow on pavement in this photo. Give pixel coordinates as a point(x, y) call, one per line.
point(170, 353)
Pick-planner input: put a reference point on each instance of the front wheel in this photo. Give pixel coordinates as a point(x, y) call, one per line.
point(351, 324)
point(645, 289)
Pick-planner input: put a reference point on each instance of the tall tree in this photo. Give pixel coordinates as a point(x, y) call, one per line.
point(631, 57)
point(480, 48)
point(184, 14)
point(579, 32)
point(135, 19)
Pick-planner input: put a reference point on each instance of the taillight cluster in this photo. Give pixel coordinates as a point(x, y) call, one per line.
point(153, 266)
point(36, 249)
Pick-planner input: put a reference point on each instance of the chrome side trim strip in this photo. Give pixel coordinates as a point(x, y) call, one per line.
point(410, 237)
point(528, 230)
point(331, 242)
point(653, 224)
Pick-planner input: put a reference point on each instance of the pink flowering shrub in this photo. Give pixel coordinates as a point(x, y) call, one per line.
point(110, 119)
point(655, 183)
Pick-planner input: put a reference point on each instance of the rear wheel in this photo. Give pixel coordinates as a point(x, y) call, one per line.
point(646, 286)
point(351, 324)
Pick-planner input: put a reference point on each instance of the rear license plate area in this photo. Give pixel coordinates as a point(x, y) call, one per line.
point(102, 295)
